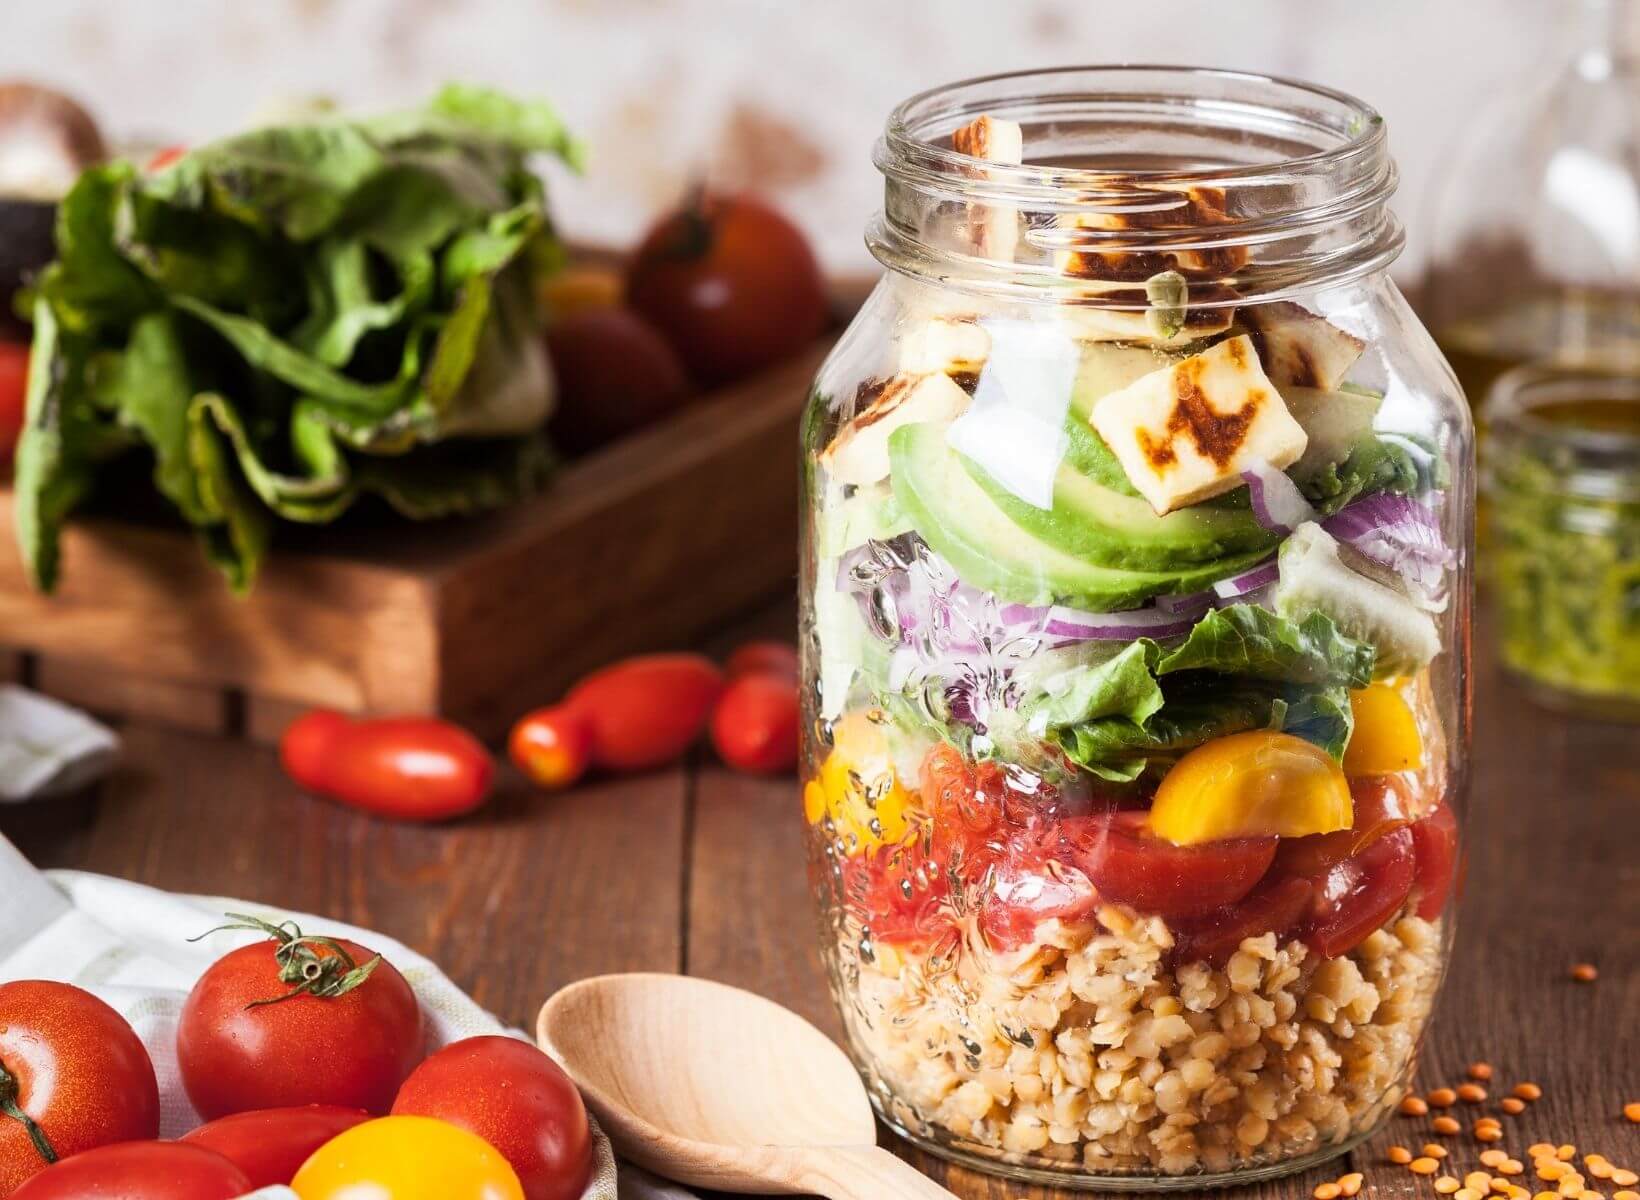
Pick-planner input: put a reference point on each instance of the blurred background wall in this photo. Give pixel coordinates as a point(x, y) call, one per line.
point(787, 94)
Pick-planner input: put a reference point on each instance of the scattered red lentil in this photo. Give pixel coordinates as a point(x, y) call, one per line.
point(1447, 1125)
point(1511, 1166)
point(1442, 1098)
point(1623, 1177)
point(1550, 1169)
point(1327, 1191)
point(1414, 1106)
point(1491, 1158)
point(1446, 1185)
point(1351, 1184)
point(1469, 1193)
point(1585, 972)
point(1471, 1093)
point(1631, 1111)
point(1528, 1091)
point(1479, 1180)
point(1539, 1149)
point(1566, 1153)
point(1488, 1133)
point(1512, 1105)
point(1626, 1195)
point(1400, 1154)
point(1481, 1071)
point(1598, 1166)
point(1423, 1166)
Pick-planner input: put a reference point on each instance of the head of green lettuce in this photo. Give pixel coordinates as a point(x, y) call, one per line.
point(289, 319)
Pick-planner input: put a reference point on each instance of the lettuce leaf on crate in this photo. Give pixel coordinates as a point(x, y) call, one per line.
point(1242, 667)
point(295, 317)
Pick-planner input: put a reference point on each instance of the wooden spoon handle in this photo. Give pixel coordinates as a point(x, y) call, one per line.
point(867, 1173)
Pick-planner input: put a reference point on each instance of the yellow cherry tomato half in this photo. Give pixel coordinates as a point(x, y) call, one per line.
point(1386, 737)
point(407, 1158)
point(1251, 784)
point(857, 787)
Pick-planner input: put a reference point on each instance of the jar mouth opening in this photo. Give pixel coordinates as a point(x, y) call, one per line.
point(1253, 186)
point(1522, 398)
point(1284, 111)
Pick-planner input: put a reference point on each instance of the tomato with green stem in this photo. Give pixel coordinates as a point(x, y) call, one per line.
point(73, 1076)
point(297, 1019)
point(731, 283)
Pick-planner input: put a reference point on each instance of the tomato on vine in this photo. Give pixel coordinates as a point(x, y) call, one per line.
point(297, 1019)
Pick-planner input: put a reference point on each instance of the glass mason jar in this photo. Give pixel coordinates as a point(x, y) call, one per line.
point(1135, 618)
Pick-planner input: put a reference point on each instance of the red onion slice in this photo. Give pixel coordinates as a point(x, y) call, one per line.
point(1249, 581)
point(1277, 503)
point(1072, 624)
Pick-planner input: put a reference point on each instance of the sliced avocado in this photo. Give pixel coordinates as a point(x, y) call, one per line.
point(1114, 529)
point(958, 518)
point(1105, 367)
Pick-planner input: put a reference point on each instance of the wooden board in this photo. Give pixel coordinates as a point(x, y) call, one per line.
point(639, 546)
point(694, 869)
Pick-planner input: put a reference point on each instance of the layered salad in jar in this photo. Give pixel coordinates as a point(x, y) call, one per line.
point(1129, 793)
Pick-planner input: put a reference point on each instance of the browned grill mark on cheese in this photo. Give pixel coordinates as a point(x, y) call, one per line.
point(974, 138)
point(1216, 435)
point(1201, 207)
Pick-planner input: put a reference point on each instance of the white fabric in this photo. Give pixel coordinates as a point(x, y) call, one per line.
point(127, 944)
point(46, 747)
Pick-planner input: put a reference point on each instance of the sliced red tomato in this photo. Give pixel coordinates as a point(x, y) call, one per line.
point(138, 1171)
point(1438, 861)
point(1381, 806)
point(1356, 895)
point(1021, 894)
point(1277, 905)
point(1129, 865)
point(900, 894)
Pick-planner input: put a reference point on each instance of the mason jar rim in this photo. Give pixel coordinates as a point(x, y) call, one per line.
point(1520, 393)
point(1308, 166)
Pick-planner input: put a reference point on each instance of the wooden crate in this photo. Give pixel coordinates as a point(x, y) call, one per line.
point(640, 546)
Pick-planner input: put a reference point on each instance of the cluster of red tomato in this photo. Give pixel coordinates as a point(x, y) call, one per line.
point(718, 290)
point(1022, 855)
point(634, 715)
point(306, 1056)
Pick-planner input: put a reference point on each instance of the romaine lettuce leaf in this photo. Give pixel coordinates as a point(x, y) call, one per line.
point(297, 316)
point(1241, 667)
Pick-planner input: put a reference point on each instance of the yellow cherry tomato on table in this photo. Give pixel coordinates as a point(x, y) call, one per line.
point(407, 1158)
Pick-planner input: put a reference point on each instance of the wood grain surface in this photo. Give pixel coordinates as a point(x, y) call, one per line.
point(700, 870)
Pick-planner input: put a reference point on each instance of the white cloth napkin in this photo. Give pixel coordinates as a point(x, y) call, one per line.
point(47, 747)
point(127, 944)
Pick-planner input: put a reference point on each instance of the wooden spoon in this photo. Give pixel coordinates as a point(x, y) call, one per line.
point(718, 1088)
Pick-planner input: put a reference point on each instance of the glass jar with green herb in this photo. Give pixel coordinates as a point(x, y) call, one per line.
point(1562, 462)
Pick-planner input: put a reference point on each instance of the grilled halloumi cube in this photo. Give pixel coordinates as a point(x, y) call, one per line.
point(858, 454)
point(1186, 432)
point(955, 346)
point(1299, 348)
point(993, 139)
point(1188, 212)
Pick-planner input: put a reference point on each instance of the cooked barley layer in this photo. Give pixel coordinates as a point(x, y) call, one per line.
point(1095, 1054)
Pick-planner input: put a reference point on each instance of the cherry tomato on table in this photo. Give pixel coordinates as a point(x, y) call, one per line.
point(407, 1158)
point(516, 1099)
point(731, 283)
point(646, 711)
point(13, 392)
point(73, 1076)
point(139, 1171)
point(552, 746)
point(270, 1144)
point(297, 1020)
point(755, 724)
point(616, 375)
point(408, 768)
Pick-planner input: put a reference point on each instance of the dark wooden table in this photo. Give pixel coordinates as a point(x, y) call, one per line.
point(700, 870)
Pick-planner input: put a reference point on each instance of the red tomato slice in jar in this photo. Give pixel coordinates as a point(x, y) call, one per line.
point(899, 894)
point(1357, 894)
point(1130, 866)
point(1438, 862)
point(1382, 804)
point(1275, 906)
point(1031, 885)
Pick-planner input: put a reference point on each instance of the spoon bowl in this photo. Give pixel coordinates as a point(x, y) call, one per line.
point(719, 1088)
